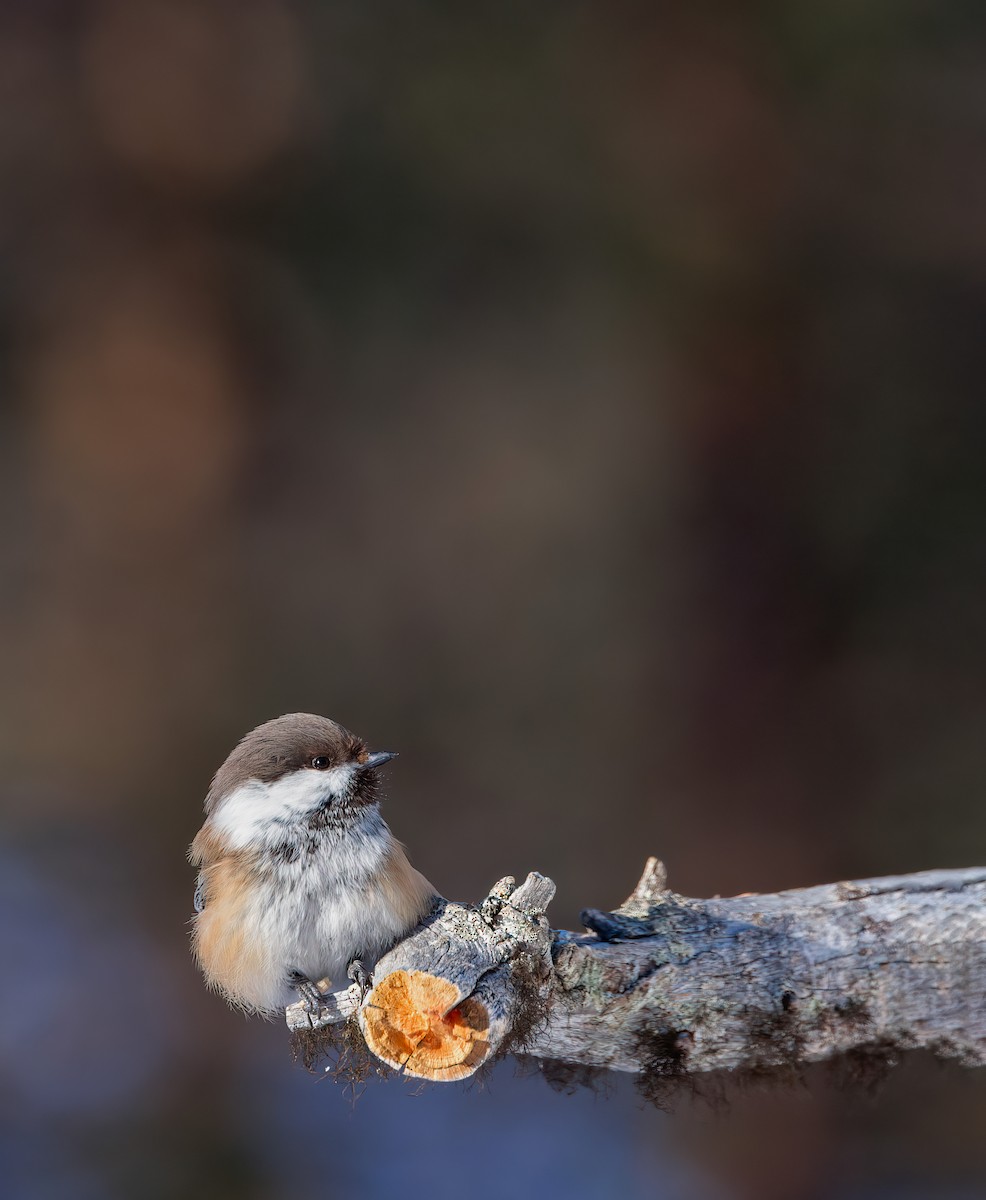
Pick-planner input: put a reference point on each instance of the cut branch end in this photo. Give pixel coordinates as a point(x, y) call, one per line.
point(419, 1023)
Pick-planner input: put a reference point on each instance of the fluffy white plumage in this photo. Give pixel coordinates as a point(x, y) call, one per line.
point(320, 894)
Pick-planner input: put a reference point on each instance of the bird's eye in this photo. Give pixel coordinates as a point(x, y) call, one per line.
point(320, 762)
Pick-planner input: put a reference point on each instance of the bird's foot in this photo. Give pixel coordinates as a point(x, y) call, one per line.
point(309, 992)
point(357, 973)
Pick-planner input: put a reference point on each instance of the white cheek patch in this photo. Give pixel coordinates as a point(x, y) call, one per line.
point(255, 812)
point(337, 779)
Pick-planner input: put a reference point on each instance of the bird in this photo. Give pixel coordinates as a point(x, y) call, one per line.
point(300, 881)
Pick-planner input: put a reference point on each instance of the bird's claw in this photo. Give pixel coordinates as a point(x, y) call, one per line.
point(357, 973)
point(312, 1000)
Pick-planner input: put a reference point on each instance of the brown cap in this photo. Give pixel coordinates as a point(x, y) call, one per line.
point(283, 745)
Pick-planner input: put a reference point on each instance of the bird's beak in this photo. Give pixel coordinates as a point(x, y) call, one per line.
point(377, 760)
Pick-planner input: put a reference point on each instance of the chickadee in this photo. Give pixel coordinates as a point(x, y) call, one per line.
point(300, 880)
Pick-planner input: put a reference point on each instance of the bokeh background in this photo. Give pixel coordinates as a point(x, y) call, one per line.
point(585, 400)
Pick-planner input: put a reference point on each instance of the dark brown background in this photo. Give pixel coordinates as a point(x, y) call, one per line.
point(583, 400)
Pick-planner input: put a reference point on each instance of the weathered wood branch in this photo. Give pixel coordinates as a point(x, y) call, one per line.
point(666, 985)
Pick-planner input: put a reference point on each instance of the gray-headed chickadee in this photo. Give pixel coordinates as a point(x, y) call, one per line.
point(300, 880)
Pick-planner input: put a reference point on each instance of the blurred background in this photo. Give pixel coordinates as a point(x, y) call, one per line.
point(584, 400)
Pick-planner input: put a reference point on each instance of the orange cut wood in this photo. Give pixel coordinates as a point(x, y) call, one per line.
point(417, 1023)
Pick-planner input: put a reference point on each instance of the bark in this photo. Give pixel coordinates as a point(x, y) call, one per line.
point(668, 986)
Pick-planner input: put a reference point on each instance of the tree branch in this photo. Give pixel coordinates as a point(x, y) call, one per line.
point(669, 986)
